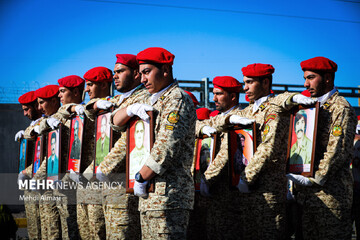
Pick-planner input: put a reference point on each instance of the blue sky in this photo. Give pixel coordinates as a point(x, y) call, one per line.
point(42, 41)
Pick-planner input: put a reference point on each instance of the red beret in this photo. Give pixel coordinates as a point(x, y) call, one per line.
point(27, 97)
point(71, 81)
point(358, 117)
point(128, 60)
point(47, 91)
point(319, 64)
point(203, 113)
point(214, 113)
point(155, 55)
point(99, 74)
point(193, 98)
point(258, 70)
point(227, 83)
point(306, 93)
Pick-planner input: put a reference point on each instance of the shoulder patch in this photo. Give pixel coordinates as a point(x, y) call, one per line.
point(262, 106)
point(173, 117)
point(269, 117)
point(326, 105)
point(162, 97)
point(337, 131)
point(169, 127)
point(265, 132)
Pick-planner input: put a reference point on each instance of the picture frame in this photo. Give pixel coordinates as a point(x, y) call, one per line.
point(103, 137)
point(53, 154)
point(241, 148)
point(139, 142)
point(205, 147)
point(38, 153)
point(25, 149)
point(302, 140)
point(75, 143)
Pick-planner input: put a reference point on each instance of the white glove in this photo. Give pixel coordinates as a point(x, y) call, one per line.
point(74, 176)
point(140, 189)
point(103, 104)
point(207, 130)
point(358, 129)
point(52, 122)
point(242, 186)
point(19, 135)
point(299, 179)
point(34, 122)
point(37, 129)
point(139, 110)
point(235, 119)
point(100, 175)
point(79, 109)
point(21, 177)
point(204, 188)
point(301, 99)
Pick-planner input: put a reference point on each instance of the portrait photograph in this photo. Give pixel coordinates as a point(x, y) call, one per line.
point(204, 155)
point(302, 140)
point(103, 137)
point(140, 139)
point(75, 143)
point(23, 153)
point(242, 146)
point(53, 154)
point(38, 154)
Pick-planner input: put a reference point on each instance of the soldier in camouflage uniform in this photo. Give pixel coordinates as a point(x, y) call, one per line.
point(326, 198)
point(28, 103)
point(164, 213)
point(222, 220)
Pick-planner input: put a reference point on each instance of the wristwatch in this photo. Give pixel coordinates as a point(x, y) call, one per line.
point(139, 178)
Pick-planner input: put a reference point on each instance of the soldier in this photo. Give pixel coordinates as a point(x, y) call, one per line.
point(221, 206)
point(326, 198)
point(120, 208)
point(165, 212)
point(29, 105)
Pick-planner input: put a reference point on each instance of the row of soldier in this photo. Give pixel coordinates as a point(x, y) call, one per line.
point(257, 210)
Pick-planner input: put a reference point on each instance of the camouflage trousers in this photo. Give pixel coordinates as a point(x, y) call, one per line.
point(33, 215)
point(122, 222)
point(198, 218)
point(91, 222)
point(67, 212)
point(164, 224)
point(49, 216)
point(356, 214)
point(326, 223)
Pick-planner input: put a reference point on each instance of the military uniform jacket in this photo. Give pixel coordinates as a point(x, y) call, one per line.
point(89, 107)
point(265, 173)
point(172, 153)
point(333, 154)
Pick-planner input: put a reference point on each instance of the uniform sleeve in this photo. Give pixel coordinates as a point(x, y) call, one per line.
point(217, 166)
point(341, 137)
point(284, 100)
point(89, 108)
point(41, 172)
point(115, 158)
point(176, 117)
point(273, 134)
point(28, 171)
point(29, 131)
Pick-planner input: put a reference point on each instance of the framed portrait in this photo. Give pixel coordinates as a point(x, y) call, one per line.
point(25, 150)
point(302, 140)
point(75, 143)
point(204, 155)
point(53, 156)
point(38, 153)
point(241, 147)
point(103, 137)
point(140, 140)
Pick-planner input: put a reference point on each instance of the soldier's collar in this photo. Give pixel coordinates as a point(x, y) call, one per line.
point(259, 103)
point(323, 99)
point(155, 96)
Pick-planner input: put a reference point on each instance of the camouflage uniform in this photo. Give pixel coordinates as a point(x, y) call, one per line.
point(165, 213)
point(327, 203)
point(120, 209)
point(262, 211)
point(222, 215)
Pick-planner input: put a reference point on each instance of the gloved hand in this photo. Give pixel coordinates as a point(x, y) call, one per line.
point(299, 179)
point(34, 122)
point(19, 135)
point(207, 130)
point(235, 119)
point(139, 110)
point(140, 189)
point(301, 99)
point(243, 187)
point(74, 176)
point(358, 129)
point(100, 175)
point(21, 177)
point(52, 122)
point(37, 129)
point(103, 104)
point(204, 188)
point(79, 109)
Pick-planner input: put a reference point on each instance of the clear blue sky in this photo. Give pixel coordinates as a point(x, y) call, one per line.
point(44, 40)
